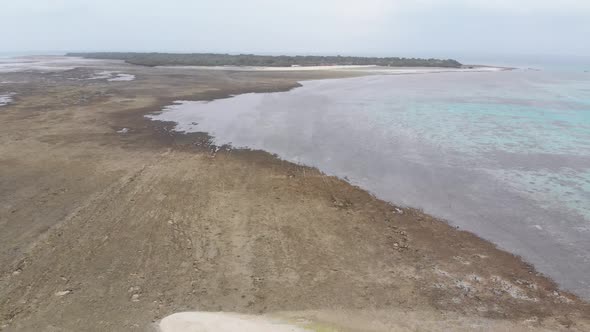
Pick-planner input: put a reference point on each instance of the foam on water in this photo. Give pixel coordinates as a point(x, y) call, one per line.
point(6, 99)
point(505, 155)
point(120, 77)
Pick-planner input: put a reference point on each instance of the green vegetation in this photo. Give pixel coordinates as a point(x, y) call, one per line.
point(210, 59)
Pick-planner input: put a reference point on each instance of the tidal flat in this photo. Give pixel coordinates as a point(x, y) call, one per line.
point(112, 229)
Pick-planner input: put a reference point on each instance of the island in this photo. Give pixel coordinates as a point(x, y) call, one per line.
point(213, 59)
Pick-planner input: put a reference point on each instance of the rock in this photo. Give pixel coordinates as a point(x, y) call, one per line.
point(134, 289)
point(135, 298)
point(63, 293)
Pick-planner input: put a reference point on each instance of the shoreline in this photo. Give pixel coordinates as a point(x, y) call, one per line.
point(198, 107)
point(203, 143)
point(365, 69)
point(351, 251)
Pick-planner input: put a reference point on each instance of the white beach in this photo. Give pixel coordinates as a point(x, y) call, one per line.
point(364, 69)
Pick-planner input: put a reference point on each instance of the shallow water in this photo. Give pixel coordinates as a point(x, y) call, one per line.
point(111, 76)
point(505, 155)
point(47, 63)
point(6, 99)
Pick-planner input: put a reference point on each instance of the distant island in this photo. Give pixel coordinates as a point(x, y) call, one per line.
point(212, 59)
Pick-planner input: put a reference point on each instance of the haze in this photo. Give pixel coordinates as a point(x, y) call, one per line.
point(368, 27)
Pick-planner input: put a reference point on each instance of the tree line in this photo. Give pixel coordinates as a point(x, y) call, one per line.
point(212, 59)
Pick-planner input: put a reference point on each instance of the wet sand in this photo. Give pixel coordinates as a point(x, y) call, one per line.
point(112, 222)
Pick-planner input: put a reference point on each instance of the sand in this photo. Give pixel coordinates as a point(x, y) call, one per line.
point(365, 69)
point(222, 322)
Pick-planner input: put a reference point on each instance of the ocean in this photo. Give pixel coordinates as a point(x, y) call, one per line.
point(505, 155)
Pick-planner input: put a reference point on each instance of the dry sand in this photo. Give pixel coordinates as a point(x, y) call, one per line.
point(106, 229)
point(223, 322)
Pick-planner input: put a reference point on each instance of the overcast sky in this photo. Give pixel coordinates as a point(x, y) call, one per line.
point(364, 27)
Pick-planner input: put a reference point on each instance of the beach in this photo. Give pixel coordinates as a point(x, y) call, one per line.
point(112, 221)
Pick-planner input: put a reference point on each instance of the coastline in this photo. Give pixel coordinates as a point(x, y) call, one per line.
point(266, 122)
point(347, 241)
point(366, 69)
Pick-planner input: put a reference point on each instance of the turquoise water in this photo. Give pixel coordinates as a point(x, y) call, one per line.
point(505, 155)
point(530, 115)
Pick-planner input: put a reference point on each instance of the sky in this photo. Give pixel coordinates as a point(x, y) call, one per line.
point(437, 28)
